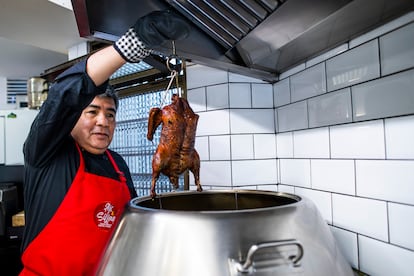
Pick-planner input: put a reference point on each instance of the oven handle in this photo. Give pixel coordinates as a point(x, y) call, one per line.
point(245, 267)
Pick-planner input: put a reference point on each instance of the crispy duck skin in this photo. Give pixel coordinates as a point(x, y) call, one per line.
point(175, 152)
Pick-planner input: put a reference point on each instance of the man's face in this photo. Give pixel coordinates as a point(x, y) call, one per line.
point(95, 127)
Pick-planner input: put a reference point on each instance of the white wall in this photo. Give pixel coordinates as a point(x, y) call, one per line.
point(337, 129)
point(15, 128)
point(3, 93)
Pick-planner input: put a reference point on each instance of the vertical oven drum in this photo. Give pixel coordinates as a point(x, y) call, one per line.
point(223, 233)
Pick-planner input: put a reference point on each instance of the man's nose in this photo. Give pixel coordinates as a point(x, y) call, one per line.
point(101, 119)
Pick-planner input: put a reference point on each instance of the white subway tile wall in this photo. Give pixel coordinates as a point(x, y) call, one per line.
point(293, 71)
point(358, 140)
point(399, 137)
point(348, 242)
point(264, 146)
point(322, 201)
point(242, 147)
point(249, 172)
point(202, 147)
point(219, 147)
point(240, 78)
point(390, 180)
point(198, 100)
point(286, 189)
point(308, 83)
point(378, 32)
point(262, 95)
point(362, 215)
point(327, 55)
point(312, 143)
point(284, 145)
point(330, 109)
point(293, 116)
point(383, 259)
point(295, 172)
point(398, 214)
point(397, 50)
point(214, 122)
point(214, 173)
point(252, 121)
point(281, 91)
point(389, 96)
point(202, 76)
point(272, 188)
point(337, 129)
point(216, 97)
point(275, 120)
point(333, 175)
point(240, 95)
point(354, 66)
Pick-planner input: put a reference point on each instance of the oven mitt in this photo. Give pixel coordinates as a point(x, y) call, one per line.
point(149, 31)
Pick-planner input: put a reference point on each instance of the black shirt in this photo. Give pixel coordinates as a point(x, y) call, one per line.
point(51, 156)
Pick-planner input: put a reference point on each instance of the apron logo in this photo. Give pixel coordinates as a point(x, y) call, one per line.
point(105, 215)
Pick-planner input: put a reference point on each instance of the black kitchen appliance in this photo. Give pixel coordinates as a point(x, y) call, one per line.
point(8, 205)
point(11, 202)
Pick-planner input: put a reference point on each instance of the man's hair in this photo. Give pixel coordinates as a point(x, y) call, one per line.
point(110, 93)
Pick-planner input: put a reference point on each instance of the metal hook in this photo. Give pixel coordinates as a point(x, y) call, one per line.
point(174, 64)
point(173, 76)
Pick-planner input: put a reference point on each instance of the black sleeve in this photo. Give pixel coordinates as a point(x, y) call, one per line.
point(72, 91)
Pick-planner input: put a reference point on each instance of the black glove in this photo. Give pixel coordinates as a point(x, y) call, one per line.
point(160, 26)
point(151, 30)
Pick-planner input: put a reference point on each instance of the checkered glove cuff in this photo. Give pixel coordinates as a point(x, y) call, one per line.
point(131, 48)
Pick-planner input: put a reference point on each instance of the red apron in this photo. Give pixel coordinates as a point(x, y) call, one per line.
point(74, 239)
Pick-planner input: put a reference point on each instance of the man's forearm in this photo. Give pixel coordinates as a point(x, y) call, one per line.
point(102, 64)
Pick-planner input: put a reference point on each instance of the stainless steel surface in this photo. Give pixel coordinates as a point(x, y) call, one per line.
point(258, 38)
point(211, 233)
point(248, 266)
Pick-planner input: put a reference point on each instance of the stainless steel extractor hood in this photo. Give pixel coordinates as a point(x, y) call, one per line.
point(257, 38)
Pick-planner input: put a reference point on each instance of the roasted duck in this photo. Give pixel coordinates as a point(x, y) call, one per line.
point(175, 152)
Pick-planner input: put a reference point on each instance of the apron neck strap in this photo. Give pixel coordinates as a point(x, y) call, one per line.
point(121, 175)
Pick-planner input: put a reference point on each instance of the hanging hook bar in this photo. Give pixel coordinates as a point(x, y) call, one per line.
point(173, 47)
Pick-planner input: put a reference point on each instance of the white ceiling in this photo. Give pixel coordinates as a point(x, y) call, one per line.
point(34, 35)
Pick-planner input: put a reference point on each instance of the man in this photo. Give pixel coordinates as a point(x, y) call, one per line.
point(75, 189)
